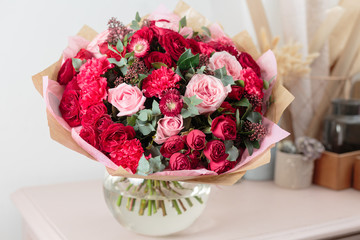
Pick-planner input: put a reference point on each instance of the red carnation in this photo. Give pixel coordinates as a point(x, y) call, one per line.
point(127, 155)
point(173, 43)
point(159, 81)
point(247, 61)
point(253, 84)
point(66, 72)
point(171, 103)
point(172, 145)
point(158, 57)
point(224, 127)
point(114, 136)
point(179, 161)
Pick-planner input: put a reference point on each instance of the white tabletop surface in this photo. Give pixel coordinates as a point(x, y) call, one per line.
point(248, 210)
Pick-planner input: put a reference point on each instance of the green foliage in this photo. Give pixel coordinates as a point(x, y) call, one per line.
point(254, 117)
point(191, 110)
point(120, 63)
point(182, 23)
point(77, 63)
point(206, 31)
point(146, 167)
point(135, 25)
point(244, 102)
point(120, 46)
point(158, 65)
point(137, 17)
point(222, 75)
point(231, 150)
point(155, 108)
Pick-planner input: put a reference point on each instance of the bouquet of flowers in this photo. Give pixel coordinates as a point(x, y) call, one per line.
point(167, 98)
point(162, 100)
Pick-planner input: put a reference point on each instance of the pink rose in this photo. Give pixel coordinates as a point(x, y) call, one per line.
point(167, 127)
point(208, 88)
point(127, 99)
point(221, 59)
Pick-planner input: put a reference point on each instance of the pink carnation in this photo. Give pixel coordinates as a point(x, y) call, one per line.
point(128, 154)
point(225, 59)
point(159, 81)
point(253, 84)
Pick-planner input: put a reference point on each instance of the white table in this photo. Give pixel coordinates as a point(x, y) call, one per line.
point(249, 210)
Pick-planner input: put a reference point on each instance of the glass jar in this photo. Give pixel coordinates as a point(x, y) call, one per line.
point(342, 127)
point(152, 207)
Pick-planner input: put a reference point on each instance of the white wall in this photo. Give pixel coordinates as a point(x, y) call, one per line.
point(33, 35)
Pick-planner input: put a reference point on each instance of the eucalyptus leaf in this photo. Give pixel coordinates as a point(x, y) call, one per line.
point(135, 25)
point(146, 128)
point(227, 80)
point(137, 17)
point(77, 63)
point(143, 115)
point(201, 70)
point(249, 146)
point(112, 49)
point(131, 121)
point(143, 166)
point(142, 76)
point(120, 46)
point(233, 153)
point(155, 108)
point(123, 70)
point(237, 117)
point(254, 117)
point(120, 63)
point(206, 31)
point(182, 22)
point(156, 164)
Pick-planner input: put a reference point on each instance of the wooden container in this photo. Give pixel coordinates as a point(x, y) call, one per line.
point(334, 170)
point(356, 182)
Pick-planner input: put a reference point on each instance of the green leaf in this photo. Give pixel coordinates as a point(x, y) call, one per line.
point(137, 17)
point(112, 49)
point(77, 63)
point(265, 84)
point(231, 150)
point(220, 73)
point(190, 62)
point(182, 22)
point(240, 83)
point(144, 115)
point(120, 63)
point(155, 108)
point(185, 55)
point(158, 65)
point(123, 70)
point(192, 111)
point(142, 76)
point(227, 80)
point(207, 130)
point(178, 72)
point(256, 144)
point(131, 120)
point(247, 112)
point(130, 54)
point(209, 120)
point(237, 117)
point(194, 100)
point(135, 25)
point(146, 128)
point(249, 146)
point(120, 46)
point(244, 102)
point(254, 117)
point(206, 31)
point(143, 166)
point(156, 164)
point(201, 70)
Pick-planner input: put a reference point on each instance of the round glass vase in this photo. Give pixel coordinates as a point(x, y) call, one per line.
point(153, 207)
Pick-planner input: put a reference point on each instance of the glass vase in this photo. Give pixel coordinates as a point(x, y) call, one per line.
point(153, 207)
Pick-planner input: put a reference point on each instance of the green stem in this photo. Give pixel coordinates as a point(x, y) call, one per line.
point(154, 206)
point(118, 203)
point(176, 206)
point(199, 199)
point(189, 202)
point(162, 204)
point(150, 207)
point(128, 188)
point(128, 203)
point(132, 204)
point(182, 205)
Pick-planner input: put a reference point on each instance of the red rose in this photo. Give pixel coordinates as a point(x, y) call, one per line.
point(224, 44)
point(227, 107)
point(224, 127)
point(179, 161)
point(128, 155)
point(69, 104)
point(247, 61)
point(104, 49)
point(84, 54)
point(215, 151)
point(114, 135)
point(194, 158)
point(194, 46)
point(90, 136)
point(172, 145)
point(253, 84)
point(236, 93)
point(66, 72)
point(173, 43)
point(159, 81)
point(196, 139)
point(144, 33)
point(158, 57)
point(93, 114)
point(103, 123)
point(221, 167)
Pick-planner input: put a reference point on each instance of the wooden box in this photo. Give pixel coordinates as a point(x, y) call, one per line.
point(334, 170)
point(356, 183)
